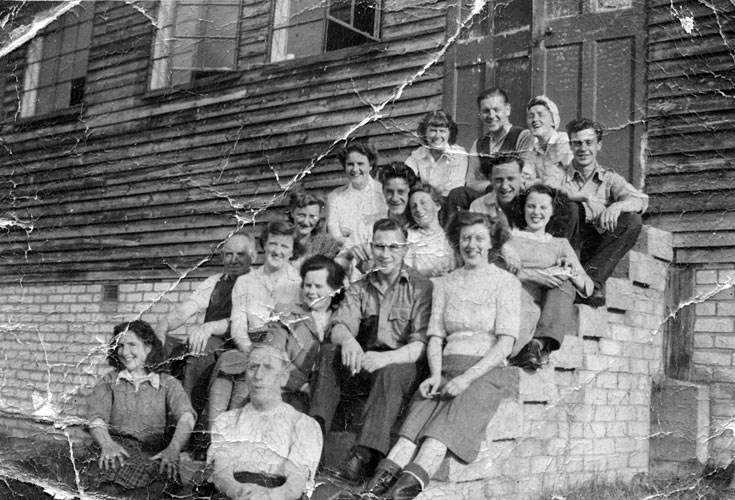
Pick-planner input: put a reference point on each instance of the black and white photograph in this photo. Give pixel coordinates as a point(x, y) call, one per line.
point(367, 249)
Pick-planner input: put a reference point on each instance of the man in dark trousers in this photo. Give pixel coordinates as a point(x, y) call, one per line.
point(378, 338)
point(612, 206)
point(211, 304)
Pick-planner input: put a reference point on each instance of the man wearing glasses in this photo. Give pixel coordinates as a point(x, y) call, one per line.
point(378, 338)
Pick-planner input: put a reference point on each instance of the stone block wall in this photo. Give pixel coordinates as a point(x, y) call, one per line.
point(586, 414)
point(54, 340)
point(713, 353)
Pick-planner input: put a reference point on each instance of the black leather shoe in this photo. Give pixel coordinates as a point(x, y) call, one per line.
point(407, 487)
point(352, 471)
point(386, 474)
point(530, 357)
point(597, 299)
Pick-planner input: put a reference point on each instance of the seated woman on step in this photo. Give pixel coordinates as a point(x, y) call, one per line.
point(476, 313)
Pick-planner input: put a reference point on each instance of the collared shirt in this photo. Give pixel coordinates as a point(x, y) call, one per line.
point(446, 173)
point(603, 188)
point(139, 411)
point(194, 306)
point(347, 207)
point(152, 378)
point(488, 205)
point(248, 440)
point(549, 161)
point(524, 146)
point(400, 314)
point(255, 297)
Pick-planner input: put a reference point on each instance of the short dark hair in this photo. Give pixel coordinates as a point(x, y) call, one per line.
point(438, 119)
point(300, 199)
point(503, 157)
point(579, 124)
point(422, 187)
point(144, 332)
point(396, 170)
point(358, 146)
point(495, 91)
point(389, 225)
point(335, 275)
point(499, 232)
point(281, 228)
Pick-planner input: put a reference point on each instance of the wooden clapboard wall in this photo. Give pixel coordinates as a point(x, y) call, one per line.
point(691, 128)
point(145, 185)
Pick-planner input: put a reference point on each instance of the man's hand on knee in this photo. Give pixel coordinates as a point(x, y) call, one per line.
point(198, 338)
point(608, 219)
point(373, 361)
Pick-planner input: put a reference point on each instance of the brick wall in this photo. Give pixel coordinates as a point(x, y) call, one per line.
point(585, 415)
point(713, 356)
point(54, 341)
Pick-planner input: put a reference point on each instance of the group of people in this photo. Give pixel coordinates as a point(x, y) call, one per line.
point(415, 288)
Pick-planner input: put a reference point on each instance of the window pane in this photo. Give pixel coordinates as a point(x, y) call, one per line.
point(79, 68)
point(84, 35)
point(342, 10)
point(69, 39)
point(512, 15)
point(220, 21)
point(51, 45)
point(340, 37)
point(183, 53)
point(45, 99)
point(217, 54)
point(563, 8)
point(61, 98)
point(49, 70)
point(304, 40)
point(187, 21)
point(365, 14)
point(180, 77)
point(305, 11)
point(66, 63)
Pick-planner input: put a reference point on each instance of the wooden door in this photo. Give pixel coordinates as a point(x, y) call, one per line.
point(588, 56)
point(490, 51)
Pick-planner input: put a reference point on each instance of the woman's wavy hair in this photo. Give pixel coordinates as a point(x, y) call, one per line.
point(422, 187)
point(437, 119)
point(358, 146)
point(335, 275)
point(282, 228)
point(559, 220)
point(498, 228)
point(154, 362)
point(300, 199)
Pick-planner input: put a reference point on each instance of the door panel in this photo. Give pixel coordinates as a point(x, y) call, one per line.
point(586, 55)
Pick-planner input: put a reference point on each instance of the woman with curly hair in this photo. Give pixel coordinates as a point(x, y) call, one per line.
point(439, 161)
point(547, 263)
point(361, 199)
point(474, 322)
point(128, 412)
point(307, 212)
point(429, 252)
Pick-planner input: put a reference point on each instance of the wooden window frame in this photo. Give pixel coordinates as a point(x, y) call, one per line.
point(37, 66)
point(278, 55)
point(161, 74)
